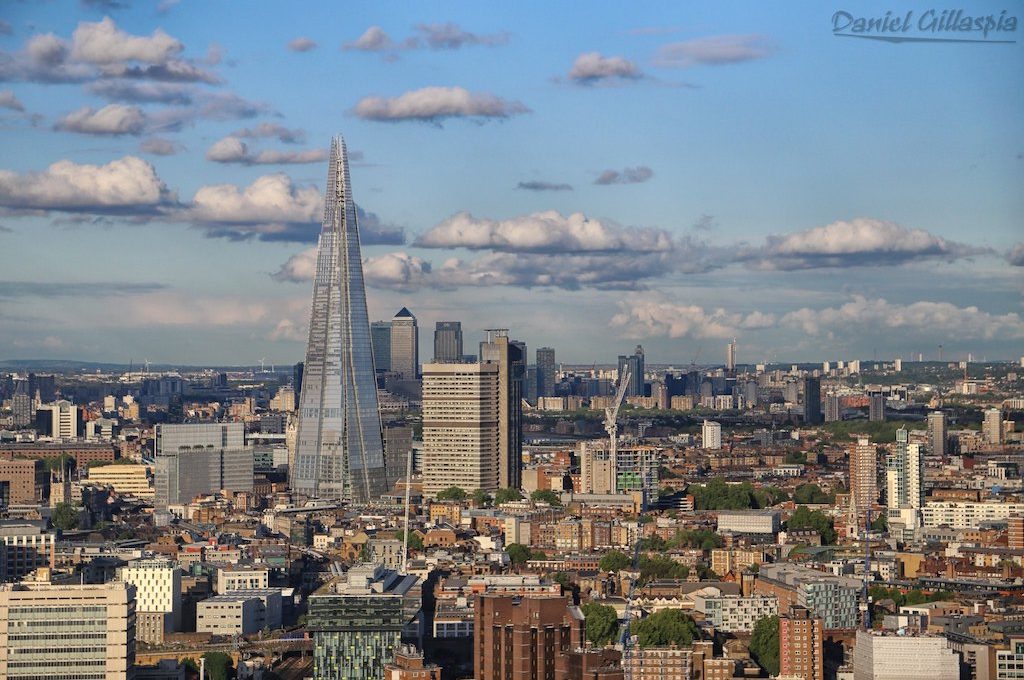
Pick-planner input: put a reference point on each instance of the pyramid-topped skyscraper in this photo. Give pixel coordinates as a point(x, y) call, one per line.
point(339, 450)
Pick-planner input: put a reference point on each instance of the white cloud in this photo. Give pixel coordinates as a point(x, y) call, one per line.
point(652, 315)
point(270, 200)
point(173, 308)
point(932, 319)
point(396, 271)
point(714, 51)
point(112, 119)
point(636, 175)
point(591, 67)
point(268, 130)
point(148, 92)
point(298, 267)
point(104, 43)
point(433, 104)
point(286, 329)
point(302, 45)
point(9, 101)
point(857, 242)
point(159, 147)
point(548, 231)
point(1016, 255)
point(374, 39)
point(46, 49)
point(126, 183)
point(449, 36)
point(234, 150)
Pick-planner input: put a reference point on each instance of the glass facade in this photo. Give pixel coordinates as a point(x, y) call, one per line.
point(339, 449)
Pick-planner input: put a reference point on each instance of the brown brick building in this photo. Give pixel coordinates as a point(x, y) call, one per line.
point(409, 665)
point(83, 453)
point(521, 638)
point(23, 482)
point(800, 645)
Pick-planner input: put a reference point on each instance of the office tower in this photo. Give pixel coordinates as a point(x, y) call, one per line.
point(25, 546)
point(892, 656)
point(65, 420)
point(461, 437)
point(876, 408)
point(898, 365)
point(730, 356)
point(812, 401)
point(157, 584)
point(196, 459)
point(297, 371)
point(86, 631)
point(711, 435)
point(510, 357)
point(448, 342)
point(24, 409)
point(339, 450)
point(801, 645)
point(992, 427)
point(635, 364)
point(546, 372)
point(23, 481)
point(358, 619)
point(380, 339)
point(863, 477)
point(833, 410)
point(405, 345)
point(937, 436)
point(284, 400)
point(530, 385)
point(520, 638)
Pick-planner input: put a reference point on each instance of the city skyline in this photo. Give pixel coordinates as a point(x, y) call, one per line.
point(669, 176)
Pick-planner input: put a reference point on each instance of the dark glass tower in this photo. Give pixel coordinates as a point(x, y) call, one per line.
point(339, 449)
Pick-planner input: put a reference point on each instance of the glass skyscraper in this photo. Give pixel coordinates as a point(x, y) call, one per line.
point(339, 449)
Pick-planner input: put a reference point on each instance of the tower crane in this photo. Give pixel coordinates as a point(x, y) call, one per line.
point(611, 415)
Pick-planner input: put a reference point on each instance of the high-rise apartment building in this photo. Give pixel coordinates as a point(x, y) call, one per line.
point(876, 407)
point(339, 449)
point(448, 342)
point(157, 584)
point(801, 645)
point(635, 364)
point(520, 638)
point(992, 426)
point(510, 358)
point(863, 477)
point(380, 339)
point(730, 356)
point(937, 435)
point(833, 409)
point(812, 401)
point(195, 459)
point(711, 435)
point(461, 434)
point(358, 620)
point(904, 475)
point(546, 372)
point(85, 632)
point(405, 345)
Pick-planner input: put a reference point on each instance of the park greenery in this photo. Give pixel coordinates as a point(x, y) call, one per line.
point(452, 493)
point(482, 499)
point(65, 516)
point(804, 518)
point(415, 540)
point(614, 560)
point(718, 494)
point(911, 597)
point(520, 554)
point(666, 627)
point(546, 496)
point(704, 539)
point(507, 496)
point(811, 494)
point(764, 644)
point(601, 623)
point(880, 432)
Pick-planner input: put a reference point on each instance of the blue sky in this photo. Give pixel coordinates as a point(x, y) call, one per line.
point(589, 176)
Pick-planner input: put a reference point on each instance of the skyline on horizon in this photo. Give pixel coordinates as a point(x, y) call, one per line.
point(670, 176)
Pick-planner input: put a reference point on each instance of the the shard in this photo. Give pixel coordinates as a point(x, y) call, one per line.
point(339, 450)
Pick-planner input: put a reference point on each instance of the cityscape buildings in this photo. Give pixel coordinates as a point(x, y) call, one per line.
point(801, 645)
point(546, 372)
point(339, 450)
point(448, 342)
point(405, 345)
point(510, 358)
point(635, 364)
point(380, 341)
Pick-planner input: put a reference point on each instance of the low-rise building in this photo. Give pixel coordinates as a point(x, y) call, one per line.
point(734, 613)
point(749, 521)
point(889, 656)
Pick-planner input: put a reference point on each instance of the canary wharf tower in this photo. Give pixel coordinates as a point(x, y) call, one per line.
point(339, 450)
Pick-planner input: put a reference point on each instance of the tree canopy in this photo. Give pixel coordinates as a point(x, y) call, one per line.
point(507, 495)
point(481, 498)
point(452, 493)
point(718, 494)
point(601, 622)
point(811, 494)
point(659, 567)
point(614, 560)
point(546, 496)
point(65, 516)
point(219, 666)
point(764, 644)
point(415, 540)
point(518, 553)
point(813, 519)
point(666, 627)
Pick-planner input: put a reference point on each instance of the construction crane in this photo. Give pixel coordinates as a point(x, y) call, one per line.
point(625, 637)
point(611, 415)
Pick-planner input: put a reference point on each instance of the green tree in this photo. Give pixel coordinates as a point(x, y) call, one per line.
point(546, 496)
point(666, 627)
point(63, 461)
point(218, 666)
point(601, 622)
point(481, 498)
point(880, 523)
point(813, 519)
point(507, 495)
point(653, 542)
point(190, 664)
point(660, 567)
point(811, 494)
point(65, 516)
point(452, 493)
point(518, 553)
point(614, 560)
point(764, 644)
point(415, 540)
